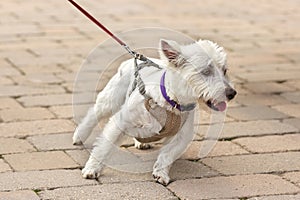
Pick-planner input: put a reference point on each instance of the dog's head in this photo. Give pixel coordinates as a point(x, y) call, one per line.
point(203, 66)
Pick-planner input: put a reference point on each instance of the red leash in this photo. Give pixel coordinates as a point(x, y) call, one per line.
point(93, 19)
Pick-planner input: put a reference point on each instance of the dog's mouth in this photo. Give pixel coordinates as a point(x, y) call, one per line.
point(217, 106)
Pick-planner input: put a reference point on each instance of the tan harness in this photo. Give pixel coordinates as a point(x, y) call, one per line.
point(170, 121)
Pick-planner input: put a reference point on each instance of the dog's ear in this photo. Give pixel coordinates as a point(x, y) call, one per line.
point(169, 50)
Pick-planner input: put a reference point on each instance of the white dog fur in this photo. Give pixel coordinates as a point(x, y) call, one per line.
point(193, 72)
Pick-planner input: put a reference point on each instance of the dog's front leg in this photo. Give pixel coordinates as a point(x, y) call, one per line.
point(173, 150)
point(102, 148)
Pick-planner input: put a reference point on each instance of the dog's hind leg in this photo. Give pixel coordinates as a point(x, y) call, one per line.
point(84, 129)
point(108, 102)
point(102, 148)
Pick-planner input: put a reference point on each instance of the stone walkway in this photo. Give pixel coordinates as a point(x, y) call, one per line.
point(42, 46)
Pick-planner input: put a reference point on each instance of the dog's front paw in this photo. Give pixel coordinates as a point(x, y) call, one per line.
point(90, 173)
point(161, 177)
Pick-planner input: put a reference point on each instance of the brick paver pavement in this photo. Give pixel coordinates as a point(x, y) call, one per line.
point(42, 46)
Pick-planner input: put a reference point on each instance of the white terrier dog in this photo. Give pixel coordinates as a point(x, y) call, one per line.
point(188, 74)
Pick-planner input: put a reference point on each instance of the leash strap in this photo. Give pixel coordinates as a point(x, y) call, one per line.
point(138, 81)
point(93, 19)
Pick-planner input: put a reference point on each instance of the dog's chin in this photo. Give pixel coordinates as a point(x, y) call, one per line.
point(217, 106)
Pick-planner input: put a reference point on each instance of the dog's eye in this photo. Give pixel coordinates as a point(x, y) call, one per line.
point(206, 72)
point(225, 71)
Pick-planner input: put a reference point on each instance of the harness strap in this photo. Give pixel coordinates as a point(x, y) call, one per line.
point(138, 82)
point(171, 126)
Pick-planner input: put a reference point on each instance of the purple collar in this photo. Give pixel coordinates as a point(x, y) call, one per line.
point(173, 103)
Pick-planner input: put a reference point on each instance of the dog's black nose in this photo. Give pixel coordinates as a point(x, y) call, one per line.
point(230, 93)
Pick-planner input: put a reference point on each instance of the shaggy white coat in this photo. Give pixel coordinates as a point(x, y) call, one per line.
point(193, 72)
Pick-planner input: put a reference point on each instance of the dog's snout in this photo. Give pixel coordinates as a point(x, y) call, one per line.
point(230, 93)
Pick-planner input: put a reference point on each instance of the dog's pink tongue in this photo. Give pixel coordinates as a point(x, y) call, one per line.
point(221, 106)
